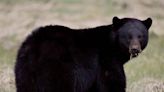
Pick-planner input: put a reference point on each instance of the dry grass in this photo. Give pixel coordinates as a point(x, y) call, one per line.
point(7, 83)
point(147, 85)
point(19, 17)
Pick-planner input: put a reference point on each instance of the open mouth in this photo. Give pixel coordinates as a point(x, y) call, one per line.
point(134, 53)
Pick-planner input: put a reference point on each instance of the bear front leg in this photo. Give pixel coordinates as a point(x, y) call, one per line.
point(114, 78)
point(116, 86)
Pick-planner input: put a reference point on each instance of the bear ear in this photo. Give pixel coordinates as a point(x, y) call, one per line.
point(147, 22)
point(116, 21)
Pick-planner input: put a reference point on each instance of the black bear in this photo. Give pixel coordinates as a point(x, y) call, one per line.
point(61, 59)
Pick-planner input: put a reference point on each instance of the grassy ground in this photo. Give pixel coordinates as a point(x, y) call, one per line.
point(145, 73)
point(19, 17)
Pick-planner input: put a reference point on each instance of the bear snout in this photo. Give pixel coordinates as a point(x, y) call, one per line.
point(134, 48)
point(133, 51)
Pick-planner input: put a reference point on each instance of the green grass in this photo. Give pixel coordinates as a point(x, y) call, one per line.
point(8, 48)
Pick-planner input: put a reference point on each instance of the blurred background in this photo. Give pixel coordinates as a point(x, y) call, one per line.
point(19, 17)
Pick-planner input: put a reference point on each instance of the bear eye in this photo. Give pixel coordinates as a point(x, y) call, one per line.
point(130, 36)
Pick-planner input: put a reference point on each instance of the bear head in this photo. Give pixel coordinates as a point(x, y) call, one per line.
point(131, 34)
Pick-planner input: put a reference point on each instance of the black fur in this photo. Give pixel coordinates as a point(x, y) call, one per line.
point(60, 59)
